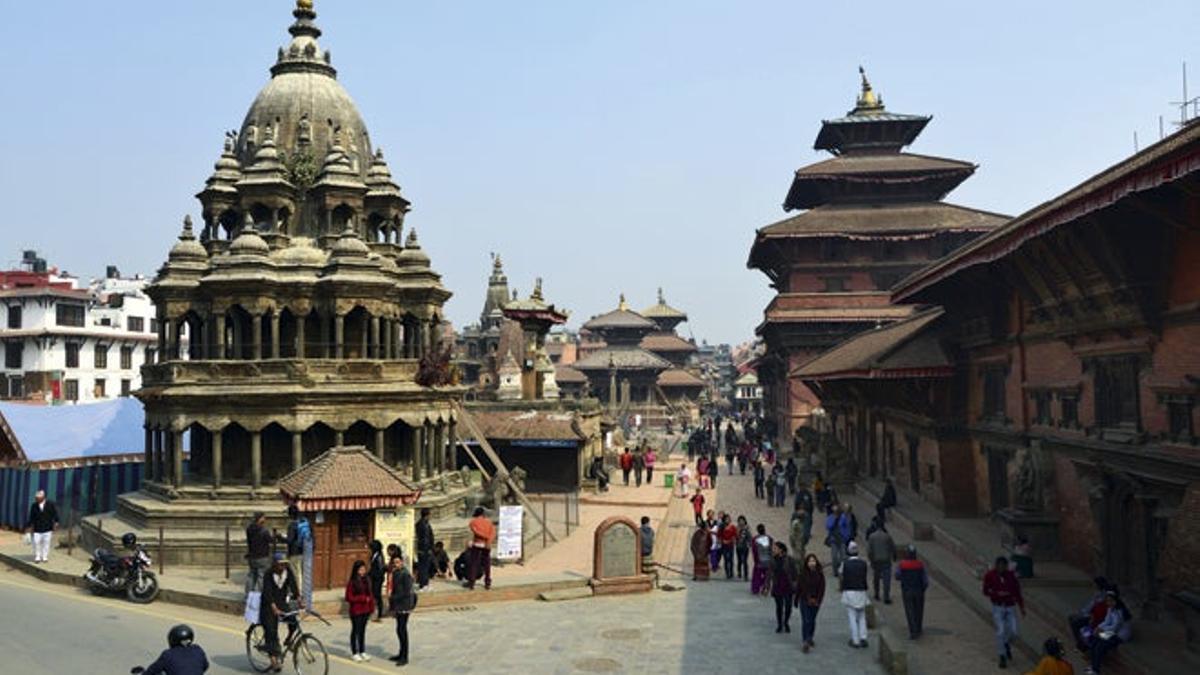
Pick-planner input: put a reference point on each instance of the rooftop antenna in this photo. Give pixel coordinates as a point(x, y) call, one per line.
point(1183, 104)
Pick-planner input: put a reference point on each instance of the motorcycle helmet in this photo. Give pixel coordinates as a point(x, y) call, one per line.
point(129, 540)
point(180, 636)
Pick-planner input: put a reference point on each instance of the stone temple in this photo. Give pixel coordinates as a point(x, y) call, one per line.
point(311, 316)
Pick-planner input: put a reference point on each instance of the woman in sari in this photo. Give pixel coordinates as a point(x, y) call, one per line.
point(700, 546)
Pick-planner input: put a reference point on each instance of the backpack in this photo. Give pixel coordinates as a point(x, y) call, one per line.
point(303, 531)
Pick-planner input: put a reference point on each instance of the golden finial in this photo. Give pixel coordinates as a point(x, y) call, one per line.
point(622, 306)
point(868, 101)
point(305, 5)
point(661, 300)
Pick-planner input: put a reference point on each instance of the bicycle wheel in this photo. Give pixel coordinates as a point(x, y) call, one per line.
point(310, 657)
point(256, 649)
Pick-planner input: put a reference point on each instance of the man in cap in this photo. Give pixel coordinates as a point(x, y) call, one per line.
point(853, 585)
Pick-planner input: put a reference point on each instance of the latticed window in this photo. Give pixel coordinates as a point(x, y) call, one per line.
point(100, 360)
point(993, 392)
point(72, 354)
point(1116, 385)
point(354, 527)
point(1179, 419)
point(126, 358)
point(1041, 408)
point(1070, 410)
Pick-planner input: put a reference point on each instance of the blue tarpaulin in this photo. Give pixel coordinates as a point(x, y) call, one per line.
point(63, 432)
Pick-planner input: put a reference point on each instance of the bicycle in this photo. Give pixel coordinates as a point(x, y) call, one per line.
point(308, 654)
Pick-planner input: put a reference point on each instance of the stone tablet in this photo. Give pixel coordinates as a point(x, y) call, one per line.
point(618, 552)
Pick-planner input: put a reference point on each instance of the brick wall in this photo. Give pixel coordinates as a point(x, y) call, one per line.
point(1178, 566)
point(1079, 538)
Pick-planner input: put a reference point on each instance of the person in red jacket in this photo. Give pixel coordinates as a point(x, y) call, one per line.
point(698, 507)
point(626, 461)
point(362, 603)
point(1001, 586)
point(728, 535)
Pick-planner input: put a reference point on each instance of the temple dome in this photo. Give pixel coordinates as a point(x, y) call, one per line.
point(300, 251)
point(249, 243)
point(305, 104)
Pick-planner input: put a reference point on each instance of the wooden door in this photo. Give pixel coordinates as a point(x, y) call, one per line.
point(997, 462)
point(324, 534)
point(354, 532)
point(914, 464)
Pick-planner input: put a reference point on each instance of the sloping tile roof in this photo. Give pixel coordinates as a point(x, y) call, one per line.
point(568, 375)
point(677, 377)
point(901, 162)
point(623, 359)
point(529, 425)
point(619, 318)
point(833, 314)
point(902, 348)
point(883, 219)
point(666, 342)
point(347, 475)
point(54, 433)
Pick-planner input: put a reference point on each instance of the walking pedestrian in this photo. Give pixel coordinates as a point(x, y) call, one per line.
point(796, 536)
point(682, 478)
point(714, 550)
point(810, 595)
point(783, 586)
point(649, 459)
point(760, 480)
point(914, 581)
point(854, 595)
point(743, 457)
point(1001, 586)
point(483, 531)
point(742, 546)
point(791, 472)
point(881, 553)
point(424, 546)
point(761, 548)
point(849, 523)
point(626, 462)
point(714, 470)
point(41, 523)
point(834, 540)
point(729, 535)
point(698, 507)
point(378, 574)
point(639, 466)
point(299, 532)
point(700, 546)
point(780, 486)
point(804, 502)
point(258, 552)
point(362, 603)
point(702, 472)
point(401, 603)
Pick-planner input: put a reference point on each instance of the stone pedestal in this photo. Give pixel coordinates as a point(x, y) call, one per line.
point(617, 559)
point(1040, 529)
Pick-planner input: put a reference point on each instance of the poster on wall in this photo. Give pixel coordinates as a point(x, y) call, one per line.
point(509, 541)
point(396, 526)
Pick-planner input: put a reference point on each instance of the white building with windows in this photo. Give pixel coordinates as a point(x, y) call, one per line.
point(69, 342)
point(747, 393)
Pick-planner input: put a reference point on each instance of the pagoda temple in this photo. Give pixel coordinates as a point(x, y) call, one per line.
point(679, 385)
point(479, 355)
point(868, 216)
point(313, 323)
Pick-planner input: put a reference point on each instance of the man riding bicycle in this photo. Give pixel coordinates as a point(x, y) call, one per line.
point(182, 658)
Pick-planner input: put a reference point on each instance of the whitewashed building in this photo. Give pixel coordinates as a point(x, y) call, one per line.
point(65, 341)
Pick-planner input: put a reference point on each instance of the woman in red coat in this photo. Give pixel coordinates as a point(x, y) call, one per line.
point(362, 604)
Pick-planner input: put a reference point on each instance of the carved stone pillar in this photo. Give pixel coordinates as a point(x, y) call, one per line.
point(418, 436)
point(156, 470)
point(297, 449)
point(218, 461)
point(275, 334)
point(339, 438)
point(177, 458)
point(256, 337)
point(256, 459)
point(221, 352)
point(439, 449)
point(396, 346)
point(339, 331)
point(148, 462)
point(451, 446)
point(375, 347)
point(379, 441)
point(300, 321)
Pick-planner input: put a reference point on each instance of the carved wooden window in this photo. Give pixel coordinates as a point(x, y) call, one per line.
point(72, 354)
point(71, 390)
point(1041, 408)
point(13, 351)
point(1179, 419)
point(1116, 388)
point(14, 316)
point(135, 324)
point(1070, 411)
point(354, 527)
point(993, 392)
point(126, 358)
point(100, 357)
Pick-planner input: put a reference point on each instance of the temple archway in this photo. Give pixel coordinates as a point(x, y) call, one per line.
point(276, 452)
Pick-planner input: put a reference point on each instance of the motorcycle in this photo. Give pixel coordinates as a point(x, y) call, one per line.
point(131, 574)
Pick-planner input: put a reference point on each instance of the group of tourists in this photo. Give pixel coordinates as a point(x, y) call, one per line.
point(639, 462)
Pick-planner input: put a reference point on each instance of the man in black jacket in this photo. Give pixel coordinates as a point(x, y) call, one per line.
point(402, 601)
point(258, 551)
point(43, 520)
point(424, 550)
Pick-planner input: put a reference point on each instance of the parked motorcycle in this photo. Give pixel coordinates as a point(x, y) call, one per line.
point(131, 574)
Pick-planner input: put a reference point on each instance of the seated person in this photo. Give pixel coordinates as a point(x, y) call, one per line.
point(441, 561)
point(462, 566)
point(1112, 631)
point(1053, 662)
point(1091, 614)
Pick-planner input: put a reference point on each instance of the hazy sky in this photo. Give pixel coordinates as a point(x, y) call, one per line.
point(604, 146)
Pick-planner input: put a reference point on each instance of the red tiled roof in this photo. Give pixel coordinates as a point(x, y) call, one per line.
point(883, 220)
point(902, 349)
point(623, 359)
point(568, 375)
point(666, 342)
point(677, 377)
point(902, 162)
point(838, 314)
point(526, 425)
point(346, 478)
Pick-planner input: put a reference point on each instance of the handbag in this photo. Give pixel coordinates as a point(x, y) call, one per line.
point(27, 539)
point(253, 605)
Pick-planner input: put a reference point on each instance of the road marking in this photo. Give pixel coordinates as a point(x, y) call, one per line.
point(142, 609)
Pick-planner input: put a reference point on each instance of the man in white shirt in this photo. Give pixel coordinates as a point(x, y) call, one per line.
point(43, 520)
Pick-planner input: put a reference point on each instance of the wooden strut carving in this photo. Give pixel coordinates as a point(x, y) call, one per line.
point(501, 469)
